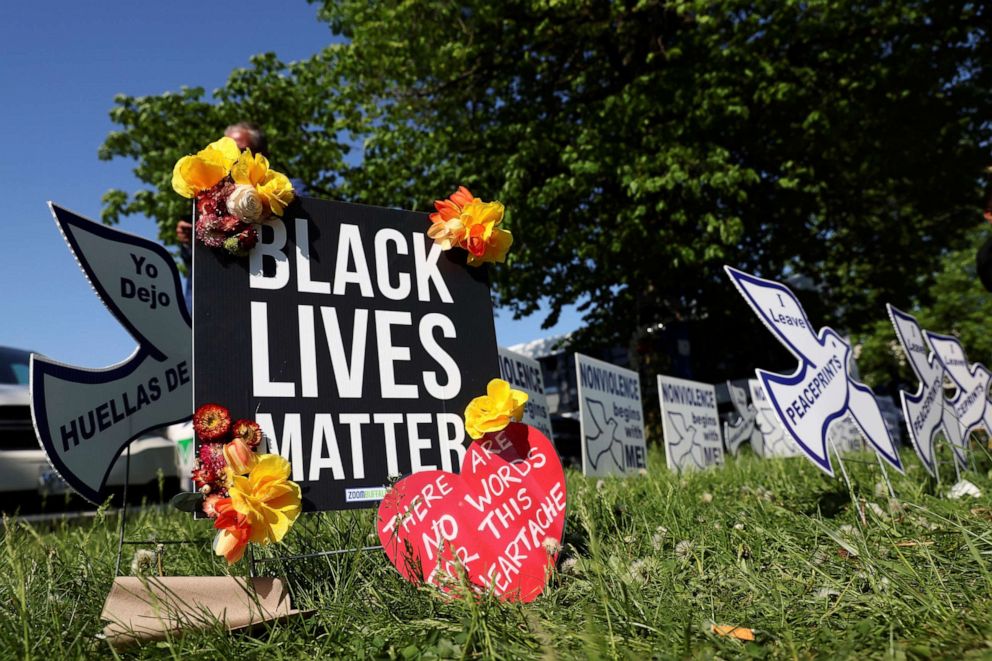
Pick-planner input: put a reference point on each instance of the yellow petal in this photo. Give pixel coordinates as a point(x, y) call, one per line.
point(498, 389)
point(178, 183)
point(227, 149)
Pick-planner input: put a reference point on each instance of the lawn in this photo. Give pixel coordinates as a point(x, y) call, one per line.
point(649, 564)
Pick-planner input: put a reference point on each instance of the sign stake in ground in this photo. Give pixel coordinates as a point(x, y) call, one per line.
point(926, 410)
point(821, 389)
point(84, 418)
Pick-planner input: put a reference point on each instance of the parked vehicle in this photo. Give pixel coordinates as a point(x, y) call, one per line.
point(24, 467)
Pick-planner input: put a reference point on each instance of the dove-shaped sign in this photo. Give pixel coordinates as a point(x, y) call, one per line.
point(821, 389)
point(745, 427)
point(971, 402)
point(926, 411)
point(774, 441)
point(85, 418)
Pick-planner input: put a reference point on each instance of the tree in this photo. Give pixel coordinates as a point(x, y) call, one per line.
point(959, 306)
point(638, 145)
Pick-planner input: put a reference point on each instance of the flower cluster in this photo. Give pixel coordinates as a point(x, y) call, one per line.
point(249, 495)
point(494, 410)
point(465, 221)
point(223, 446)
point(234, 191)
point(263, 505)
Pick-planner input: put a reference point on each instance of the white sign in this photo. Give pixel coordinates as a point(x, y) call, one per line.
point(612, 418)
point(775, 442)
point(822, 388)
point(971, 402)
point(926, 410)
point(744, 428)
point(85, 418)
point(690, 422)
point(525, 374)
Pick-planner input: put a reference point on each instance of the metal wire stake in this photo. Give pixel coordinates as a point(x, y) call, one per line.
point(120, 532)
point(885, 476)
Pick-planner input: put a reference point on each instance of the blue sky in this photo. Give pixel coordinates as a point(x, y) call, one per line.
point(62, 64)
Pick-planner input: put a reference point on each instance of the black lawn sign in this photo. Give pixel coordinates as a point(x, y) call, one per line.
point(352, 339)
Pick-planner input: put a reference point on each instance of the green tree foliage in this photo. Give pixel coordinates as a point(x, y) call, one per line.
point(638, 145)
point(959, 306)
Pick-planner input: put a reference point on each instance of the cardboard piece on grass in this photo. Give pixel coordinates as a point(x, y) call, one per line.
point(745, 427)
point(140, 610)
point(691, 424)
point(84, 418)
point(525, 374)
point(971, 402)
point(822, 388)
point(354, 340)
point(611, 416)
point(926, 410)
point(499, 524)
point(775, 442)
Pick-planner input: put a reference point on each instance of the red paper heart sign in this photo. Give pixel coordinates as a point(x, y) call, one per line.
point(499, 523)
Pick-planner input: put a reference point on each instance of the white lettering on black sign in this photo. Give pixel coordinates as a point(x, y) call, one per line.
point(355, 341)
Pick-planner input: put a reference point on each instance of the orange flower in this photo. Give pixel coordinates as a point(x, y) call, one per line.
point(240, 458)
point(465, 221)
point(234, 531)
point(452, 207)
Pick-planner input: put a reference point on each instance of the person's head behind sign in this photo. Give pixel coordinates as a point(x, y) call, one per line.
point(248, 135)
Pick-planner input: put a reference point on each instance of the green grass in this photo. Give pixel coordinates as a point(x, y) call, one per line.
point(649, 564)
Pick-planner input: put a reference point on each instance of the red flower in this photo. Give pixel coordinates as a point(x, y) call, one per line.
point(208, 231)
point(202, 476)
point(212, 459)
point(211, 422)
point(248, 431)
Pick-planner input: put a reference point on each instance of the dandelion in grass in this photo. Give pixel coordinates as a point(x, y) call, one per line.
point(600, 485)
point(571, 567)
point(684, 549)
point(143, 563)
point(658, 538)
point(641, 570)
point(707, 497)
point(826, 593)
point(551, 545)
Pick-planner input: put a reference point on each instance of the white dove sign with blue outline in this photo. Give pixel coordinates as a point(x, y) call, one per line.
point(745, 427)
point(821, 389)
point(84, 418)
point(971, 402)
point(926, 410)
point(774, 440)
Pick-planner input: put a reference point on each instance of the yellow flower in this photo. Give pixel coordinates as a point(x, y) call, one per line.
point(204, 169)
point(276, 191)
point(250, 170)
point(496, 248)
point(494, 410)
point(267, 498)
point(274, 188)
